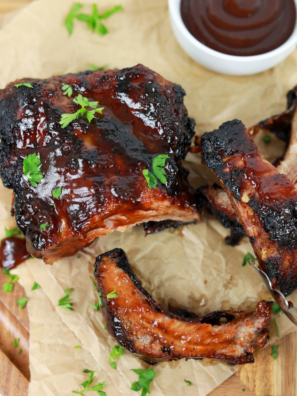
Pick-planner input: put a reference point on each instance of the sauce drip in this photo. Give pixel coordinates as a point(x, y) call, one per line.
point(240, 27)
point(13, 252)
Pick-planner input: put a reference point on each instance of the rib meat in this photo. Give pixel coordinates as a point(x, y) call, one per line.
point(98, 164)
point(265, 200)
point(147, 330)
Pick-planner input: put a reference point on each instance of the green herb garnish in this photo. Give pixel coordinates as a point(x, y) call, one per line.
point(145, 378)
point(43, 226)
point(22, 302)
point(16, 342)
point(5, 271)
point(276, 327)
point(12, 233)
point(65, 302)
point(274, 352)
point(7, 287)
point(68, 89)
point(70, 17)
point(112, 294)
point(104, 326)
point(246, 259)
point(158, 171)
point(20, 351)
point(243, 390)
point(267, 139)
point(23, 85)
point(77, 347)
point(57, 193)
point(83, 112)
point(116, 353)
point(189, 383)
point(276, 308)
point(31, 169)
point(35, 286)
point(99, 303)
point(95, 68)
point(86, 385)
point(12, 278)
point(94, 283)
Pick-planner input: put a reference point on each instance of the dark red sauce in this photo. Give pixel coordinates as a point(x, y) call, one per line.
point(240, 27)
point(13, 252)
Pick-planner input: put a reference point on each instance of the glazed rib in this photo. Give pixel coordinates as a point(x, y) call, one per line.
point(147, 330)
point(265, 200)
point(98, 164)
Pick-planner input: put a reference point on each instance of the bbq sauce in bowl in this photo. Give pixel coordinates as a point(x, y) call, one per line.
point(240, 27)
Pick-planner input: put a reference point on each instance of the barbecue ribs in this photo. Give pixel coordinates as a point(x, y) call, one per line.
point(147, 330)
point(265, 201)
point(98, 164)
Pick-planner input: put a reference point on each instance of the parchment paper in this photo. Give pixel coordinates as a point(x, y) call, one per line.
point(192, 266)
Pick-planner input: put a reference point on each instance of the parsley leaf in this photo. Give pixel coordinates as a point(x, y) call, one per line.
point(20, 351)
point(5, 271)
point(23, 85)
point(274, 352)
point(116, 353)
point(145, 378)
point(65, 302)
point(7, 287)
point(83, 112)
point(68, 89)
point(57, 193)
point(276, 308)
point(16, 342)
point(189, 383)
point(267, 139)
point(77, 347)
point(43, 226)
point(99, 303)
point(35, 286)
point(94, 283)
point(104, 326)
point(97, 388)
point(247, 257)
point(31, 169)
point(70, 17)
point(276, 327)
point(22, 302)
point(112, 294)
point(12, 233)
point(95, 68)
point(158, 171)
point(112, 11)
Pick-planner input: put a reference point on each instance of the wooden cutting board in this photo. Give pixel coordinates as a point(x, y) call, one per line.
point(266, 377)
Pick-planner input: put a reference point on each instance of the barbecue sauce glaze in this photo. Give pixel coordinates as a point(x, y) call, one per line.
point(13, 252)
point(240, 27)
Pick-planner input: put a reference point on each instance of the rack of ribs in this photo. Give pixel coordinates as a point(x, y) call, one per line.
point(98, 164)
point(147, 330)
point(265, 201)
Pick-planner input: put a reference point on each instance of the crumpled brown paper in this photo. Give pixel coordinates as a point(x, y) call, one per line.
point(190, 266)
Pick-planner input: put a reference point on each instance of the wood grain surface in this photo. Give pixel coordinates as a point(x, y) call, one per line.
point(266, 377)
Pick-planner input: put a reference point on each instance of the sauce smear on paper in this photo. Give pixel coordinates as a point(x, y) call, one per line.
point(13, 252)
point(240, 27)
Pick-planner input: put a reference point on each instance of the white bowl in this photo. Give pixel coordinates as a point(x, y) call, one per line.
point(223, 63)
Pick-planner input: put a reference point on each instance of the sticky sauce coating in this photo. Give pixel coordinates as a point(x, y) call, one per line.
point(240, 27)
point(13, 252)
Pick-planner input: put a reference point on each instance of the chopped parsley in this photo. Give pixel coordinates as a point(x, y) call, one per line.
point(65, 302)
point(78, 257)
point(23, 85)
point(158, 171)
point(35, 286)
point(274, 352)
point(5, 271)
point(68, 90)
point(57, 193)
point(7, 287)
point(20, 351)
point(86, 385)
point(12, 233)
point(83, 112)
point(99, 303)
point(267, 139)
point(243, 390)
point(189, 383)
point(22, 302)
point(276, 308)
point(276, 327)
point(112, 294)
point(94, 283)
point(246, 259)
point(31, 169)
point(70, 17)
point(95, 68)
point(43, 226)
point(145, 379)
point(116, 353)
point(16, 342)
point(104, 325)
point(77, 347)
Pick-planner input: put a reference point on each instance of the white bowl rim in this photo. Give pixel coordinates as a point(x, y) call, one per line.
point(176, 14)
